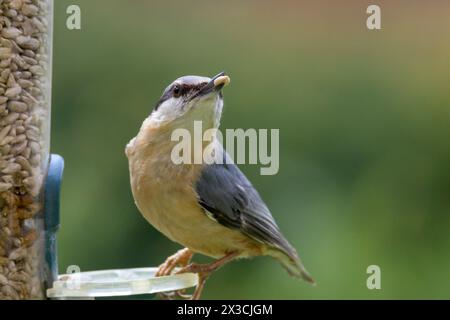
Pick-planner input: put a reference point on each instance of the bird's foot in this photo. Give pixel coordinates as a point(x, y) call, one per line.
point(204, 271)
point(180, 259)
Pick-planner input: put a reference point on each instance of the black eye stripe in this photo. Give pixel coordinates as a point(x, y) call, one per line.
point(185, 89)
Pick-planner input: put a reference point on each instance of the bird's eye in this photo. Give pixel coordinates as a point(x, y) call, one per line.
point(176, 91)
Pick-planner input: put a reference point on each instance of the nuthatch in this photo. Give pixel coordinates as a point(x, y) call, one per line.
point(210, 209)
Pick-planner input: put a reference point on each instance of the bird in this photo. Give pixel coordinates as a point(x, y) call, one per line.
point(208, 208)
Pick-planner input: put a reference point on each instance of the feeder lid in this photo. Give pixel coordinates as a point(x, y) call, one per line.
point(124, 282)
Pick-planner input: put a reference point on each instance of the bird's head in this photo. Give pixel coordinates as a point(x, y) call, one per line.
point(192, 98)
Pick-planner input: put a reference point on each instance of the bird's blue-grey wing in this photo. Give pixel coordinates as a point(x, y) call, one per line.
point(228, 197)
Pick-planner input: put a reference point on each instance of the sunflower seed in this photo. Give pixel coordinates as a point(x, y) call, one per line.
point(11, 33)
point(11, 168)
point(4, 132)
point(15, 4)
point(28, 42)
point(13, 92)
point(30, 10)
point(3, 280)
point(5, 186)
point(17, 106)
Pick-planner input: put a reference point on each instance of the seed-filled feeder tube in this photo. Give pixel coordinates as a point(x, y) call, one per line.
point(25, 100)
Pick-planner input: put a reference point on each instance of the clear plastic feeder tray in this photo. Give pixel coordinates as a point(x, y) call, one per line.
point(111, 283)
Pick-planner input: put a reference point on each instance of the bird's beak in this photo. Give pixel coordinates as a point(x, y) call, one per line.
point(216, 84)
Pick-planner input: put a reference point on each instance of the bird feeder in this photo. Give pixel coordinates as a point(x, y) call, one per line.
point(25, 101)
point(30, 177)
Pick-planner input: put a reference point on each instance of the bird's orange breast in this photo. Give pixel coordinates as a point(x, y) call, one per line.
point(165, 195)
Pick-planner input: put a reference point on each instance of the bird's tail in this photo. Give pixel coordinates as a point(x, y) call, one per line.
point(292, 263)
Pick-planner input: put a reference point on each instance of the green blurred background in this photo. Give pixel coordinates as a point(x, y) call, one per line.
point(364, 127)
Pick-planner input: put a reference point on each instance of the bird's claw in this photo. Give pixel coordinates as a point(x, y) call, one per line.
point(173, 295)
point(181, 258)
